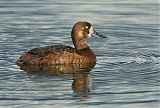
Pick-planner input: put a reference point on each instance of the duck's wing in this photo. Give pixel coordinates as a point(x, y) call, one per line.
point(45, 55)
point(43, 51)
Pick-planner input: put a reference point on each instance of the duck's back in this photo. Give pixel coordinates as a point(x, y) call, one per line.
point(54, 49)
point(56, 54)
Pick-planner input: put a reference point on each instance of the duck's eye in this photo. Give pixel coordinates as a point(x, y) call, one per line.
point(86, 27)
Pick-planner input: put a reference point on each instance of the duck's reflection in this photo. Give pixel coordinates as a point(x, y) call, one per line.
point(80, 73)
point(81, 83)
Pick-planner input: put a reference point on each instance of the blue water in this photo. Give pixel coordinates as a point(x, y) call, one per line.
point(126, 74)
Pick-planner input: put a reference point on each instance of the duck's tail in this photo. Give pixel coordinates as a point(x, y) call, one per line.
point(27, 59)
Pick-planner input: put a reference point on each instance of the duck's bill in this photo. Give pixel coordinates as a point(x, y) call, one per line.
point(96, 34)
point(93, 33)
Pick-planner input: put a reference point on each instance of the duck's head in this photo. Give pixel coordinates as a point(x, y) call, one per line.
point(80, 32)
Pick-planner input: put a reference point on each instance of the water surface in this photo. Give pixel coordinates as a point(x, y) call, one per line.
point(126, 74)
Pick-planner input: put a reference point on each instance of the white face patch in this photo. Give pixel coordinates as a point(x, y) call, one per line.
point(91, 31)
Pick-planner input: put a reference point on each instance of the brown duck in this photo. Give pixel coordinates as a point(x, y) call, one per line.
point(62, 54)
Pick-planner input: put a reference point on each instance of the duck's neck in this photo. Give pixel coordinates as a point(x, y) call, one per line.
point(81, 44)
point(78, 40)
point(82, 47)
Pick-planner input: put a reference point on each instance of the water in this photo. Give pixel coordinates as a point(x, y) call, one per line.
point(126, 74)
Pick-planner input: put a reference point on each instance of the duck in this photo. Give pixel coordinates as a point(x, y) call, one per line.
point(64, 54)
